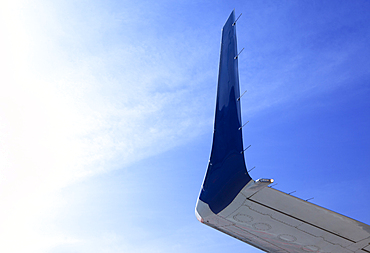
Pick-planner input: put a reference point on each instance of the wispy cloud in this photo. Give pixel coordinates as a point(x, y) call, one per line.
point(75, 104)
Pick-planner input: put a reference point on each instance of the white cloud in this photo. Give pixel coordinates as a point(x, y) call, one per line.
point(66, 114)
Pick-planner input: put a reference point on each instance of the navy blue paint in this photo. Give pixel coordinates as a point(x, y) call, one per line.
point(226, 172)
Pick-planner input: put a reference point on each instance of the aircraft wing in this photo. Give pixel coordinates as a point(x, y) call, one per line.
point(232, 202)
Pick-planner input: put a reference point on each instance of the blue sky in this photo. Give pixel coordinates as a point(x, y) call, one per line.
point(106, 114)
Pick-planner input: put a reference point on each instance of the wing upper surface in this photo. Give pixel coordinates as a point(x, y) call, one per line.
point(274, 221)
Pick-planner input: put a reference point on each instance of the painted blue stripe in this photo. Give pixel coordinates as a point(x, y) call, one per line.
point(226, 172)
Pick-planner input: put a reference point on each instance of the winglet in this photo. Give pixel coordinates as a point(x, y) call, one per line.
point(226, 173)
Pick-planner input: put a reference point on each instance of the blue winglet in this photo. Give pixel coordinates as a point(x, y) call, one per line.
point(226, 172)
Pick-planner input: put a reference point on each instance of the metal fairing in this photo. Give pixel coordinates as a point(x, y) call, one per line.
point(233, 203)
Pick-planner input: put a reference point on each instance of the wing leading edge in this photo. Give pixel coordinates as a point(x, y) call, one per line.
point(232, 202)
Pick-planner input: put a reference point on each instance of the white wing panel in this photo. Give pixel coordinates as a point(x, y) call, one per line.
point(315, 215)
point(281, 231)
point(252, 239)
point(329, 237)
point(367, 248)
point(274, 221)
